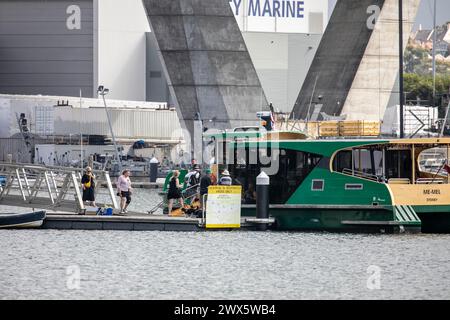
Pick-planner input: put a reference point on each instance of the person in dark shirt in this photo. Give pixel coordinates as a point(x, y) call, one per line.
point(174, 192)
point(250, 195)
point(205, 182)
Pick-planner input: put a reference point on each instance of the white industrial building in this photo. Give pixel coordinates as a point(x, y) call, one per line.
point(109, 42)
point(58, 123)
point(113, 38)
point(63, 116)
point(77, 45)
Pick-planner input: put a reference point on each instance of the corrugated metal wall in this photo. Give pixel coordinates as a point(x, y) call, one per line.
point(14, 146)
point(150, 124)
point(40, 53)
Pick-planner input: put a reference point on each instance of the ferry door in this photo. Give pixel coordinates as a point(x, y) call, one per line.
point(398, 164)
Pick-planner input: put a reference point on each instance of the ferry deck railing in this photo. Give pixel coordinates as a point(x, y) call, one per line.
point(361, 174)
point(369, 176)
point(57, 188)
point(430, 181)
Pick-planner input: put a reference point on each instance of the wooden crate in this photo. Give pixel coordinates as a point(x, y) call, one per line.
point(359, 128)
point(350, 128)
point(371, 128)
point(312, 129)
point(329, 129)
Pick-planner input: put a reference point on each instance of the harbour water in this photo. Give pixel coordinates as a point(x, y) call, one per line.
point(50, 264)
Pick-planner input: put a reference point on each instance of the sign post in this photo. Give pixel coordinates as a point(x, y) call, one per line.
point(223, 208)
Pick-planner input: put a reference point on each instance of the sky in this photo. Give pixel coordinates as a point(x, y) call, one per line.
point(425, 14)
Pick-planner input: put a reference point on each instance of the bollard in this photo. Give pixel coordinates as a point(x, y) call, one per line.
point(262, 199)
point(153, 169)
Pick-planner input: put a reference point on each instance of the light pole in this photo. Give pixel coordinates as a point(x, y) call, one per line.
point(197, 139)
point(402, 98)
point(103, 92)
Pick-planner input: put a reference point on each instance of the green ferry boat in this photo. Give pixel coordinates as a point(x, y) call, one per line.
point(362, 185)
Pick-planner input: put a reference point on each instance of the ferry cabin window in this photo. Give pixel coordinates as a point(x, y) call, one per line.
point(245, 168)
point(343, 160)
point(368, 163)
point(363, 162)
point(317, 185)
point(293, 168)
point(398, 164)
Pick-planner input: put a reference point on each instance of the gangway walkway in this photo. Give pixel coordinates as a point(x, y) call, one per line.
point(54, 188)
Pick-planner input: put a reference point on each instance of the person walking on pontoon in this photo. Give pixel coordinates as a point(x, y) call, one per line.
point(124, 191)
point(174, 192)
point(88, 185)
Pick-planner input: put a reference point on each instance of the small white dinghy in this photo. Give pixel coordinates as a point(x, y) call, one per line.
point(22, 220)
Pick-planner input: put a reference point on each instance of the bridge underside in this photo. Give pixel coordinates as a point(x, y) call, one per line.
point(355, 68)
point(211, 75)
point(337, 59)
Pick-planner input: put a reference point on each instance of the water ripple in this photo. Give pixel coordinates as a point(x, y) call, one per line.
point(221, 265)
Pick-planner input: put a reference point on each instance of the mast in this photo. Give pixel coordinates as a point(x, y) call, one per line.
point(81, 134)
point(434, 53)
point(402, 97)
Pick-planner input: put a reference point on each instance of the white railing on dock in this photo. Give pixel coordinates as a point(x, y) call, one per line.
point(36, 186)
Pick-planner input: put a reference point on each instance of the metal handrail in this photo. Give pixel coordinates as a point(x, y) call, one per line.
point(360, 174)
point(159, 205)
point(205, 197)
point(47, 168)
point(48, 185)
point(191, 187)
point(430, 181)
point(399, 180)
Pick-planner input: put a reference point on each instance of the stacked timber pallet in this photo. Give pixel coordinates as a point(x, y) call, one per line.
point(329, 129)
point(357, 128)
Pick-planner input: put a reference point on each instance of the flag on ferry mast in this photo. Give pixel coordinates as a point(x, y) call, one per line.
point(272, 117)
point(447, 167)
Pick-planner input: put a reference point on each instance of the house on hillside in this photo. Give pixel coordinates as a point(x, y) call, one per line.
point(424, 39)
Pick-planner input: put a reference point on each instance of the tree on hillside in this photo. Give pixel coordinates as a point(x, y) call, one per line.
point(421, 86)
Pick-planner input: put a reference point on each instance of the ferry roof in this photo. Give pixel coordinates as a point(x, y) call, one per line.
point(231, 135)
point(297, 136)
point(328, 147)
point(443, 141)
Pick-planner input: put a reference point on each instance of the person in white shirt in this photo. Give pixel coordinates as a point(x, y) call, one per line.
point(124, 191)
point(192, 180)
